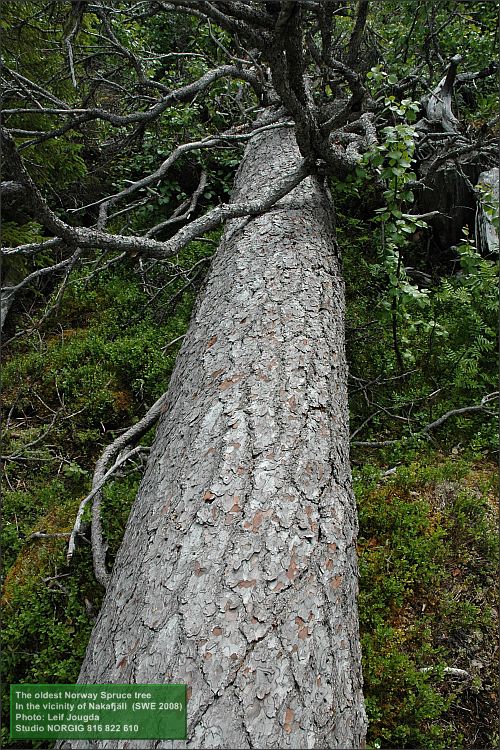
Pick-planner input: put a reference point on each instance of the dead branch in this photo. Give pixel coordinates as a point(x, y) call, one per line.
point(101, 475)
point(190, 205)
point(93, 495)
point(451, 671)
point(12, 290)
point(438, 107)
point(464, 410)
point(357, 33)
point(32, 247)
point(183, 94)
point(135, 245)
point(482, 407)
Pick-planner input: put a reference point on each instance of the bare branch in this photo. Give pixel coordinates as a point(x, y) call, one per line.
point(92, 495)
point(174, 341)
point(12, 290)
point(37, 440)
point(44, 535)
point(83, 237)
point(183, 94)
point(54, 307)
point(231, 23)
point(178, 216)
point(32, 247)
point(451, 671)
point(357, 33)
point(106, 203)
point(464, 410)
point(437, 422)
point(27, 86)
point(438, 107)
point(101, 475)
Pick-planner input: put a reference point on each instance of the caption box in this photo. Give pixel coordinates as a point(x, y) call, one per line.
point(145, 712)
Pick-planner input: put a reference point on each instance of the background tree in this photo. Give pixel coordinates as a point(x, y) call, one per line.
point(324, 72)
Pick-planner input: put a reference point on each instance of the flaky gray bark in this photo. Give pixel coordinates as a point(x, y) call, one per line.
point(237, 574)
point(487, 234)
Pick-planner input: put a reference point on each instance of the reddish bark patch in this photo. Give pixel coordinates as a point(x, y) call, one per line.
point(229, 382)
point(292, 569)
point(198, 570)
point(335, 582)
point(257, 520)
point(211, 341)
point(247, 584)
point(289, 714)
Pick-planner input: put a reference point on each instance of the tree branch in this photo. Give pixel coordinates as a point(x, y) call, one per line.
point(183, 94)
point(433, 425)
point(177, 216)
point(83, 237)
point(438, 107)
point(101, 475)
point(357, 34)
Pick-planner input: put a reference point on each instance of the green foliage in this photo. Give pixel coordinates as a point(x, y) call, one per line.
point(424, 547)
point(15, 234)
point(465, 308)
point(95, 371)
point(411, 32)
point(444, 333)
point(391, 162)
point(46, 605)
point(118, 497)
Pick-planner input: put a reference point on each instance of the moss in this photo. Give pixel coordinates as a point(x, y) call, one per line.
point(428, 553)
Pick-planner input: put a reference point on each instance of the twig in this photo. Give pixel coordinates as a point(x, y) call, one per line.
point(463, 410)
point(452, 671)
point(437, 422)
point(177, 216)
point(171, 343)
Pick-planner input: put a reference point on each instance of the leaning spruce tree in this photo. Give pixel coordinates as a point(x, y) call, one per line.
point(237, 572)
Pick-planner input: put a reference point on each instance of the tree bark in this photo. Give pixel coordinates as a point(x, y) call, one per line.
point(486, 232)
point(237, 573)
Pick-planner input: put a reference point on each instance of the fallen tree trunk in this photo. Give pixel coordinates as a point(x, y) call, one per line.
point(237, 573)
